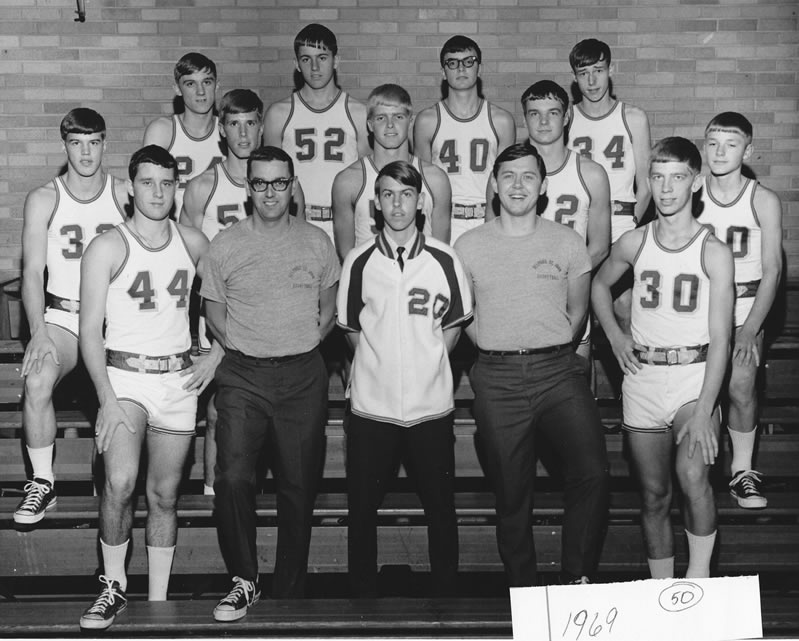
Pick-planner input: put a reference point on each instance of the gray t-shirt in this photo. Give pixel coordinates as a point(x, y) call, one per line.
point(270, 284)
point(520, 283)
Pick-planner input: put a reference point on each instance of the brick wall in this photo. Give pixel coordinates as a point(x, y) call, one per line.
point(681, 60)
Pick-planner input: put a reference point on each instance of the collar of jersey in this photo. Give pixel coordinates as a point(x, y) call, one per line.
point(385, 247)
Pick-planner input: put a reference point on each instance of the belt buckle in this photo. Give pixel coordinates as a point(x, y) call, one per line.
point(672, 357)
point(163, 364)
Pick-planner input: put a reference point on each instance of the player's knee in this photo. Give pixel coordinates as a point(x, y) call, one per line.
point(693, 477)
point(742, 386)
point(39, 387)
point(119, 486)
point(656, 499)
point(162, 497)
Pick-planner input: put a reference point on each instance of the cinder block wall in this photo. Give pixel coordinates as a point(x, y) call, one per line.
point(681, 60)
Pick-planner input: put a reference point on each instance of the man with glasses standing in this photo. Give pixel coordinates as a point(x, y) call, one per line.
point(463, 133)
point(270, 295)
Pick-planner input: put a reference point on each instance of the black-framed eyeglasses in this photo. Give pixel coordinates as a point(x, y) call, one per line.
point(454, 63)
point(278, 184)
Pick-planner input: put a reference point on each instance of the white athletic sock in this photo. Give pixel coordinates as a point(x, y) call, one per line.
point(159, 562)
point(208, 490)
point(743, 447)
point(114, 562)
point(42, 462)
point(700, 549)
point(661, 568)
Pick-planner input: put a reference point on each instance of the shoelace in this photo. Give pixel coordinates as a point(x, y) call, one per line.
point(106, 598)
point(243, 588)
point(34, 494)
point(748, 480)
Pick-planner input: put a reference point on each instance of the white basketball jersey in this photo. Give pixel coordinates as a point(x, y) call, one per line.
point(226, 204)
point(72, 226)
point(568, 197)
point(608, 141)
point(194, 155)
point(322, 143)
point(147, 309)
point(365, 229)
point(465, 148)
point(671, 292)
point(736, 224)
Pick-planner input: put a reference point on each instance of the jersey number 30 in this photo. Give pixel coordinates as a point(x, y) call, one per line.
point(686, 289)
point(142, 290)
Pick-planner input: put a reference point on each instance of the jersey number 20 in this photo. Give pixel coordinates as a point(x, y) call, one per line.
point(142, 290)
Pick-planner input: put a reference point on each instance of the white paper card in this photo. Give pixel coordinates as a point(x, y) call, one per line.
point(718, 609)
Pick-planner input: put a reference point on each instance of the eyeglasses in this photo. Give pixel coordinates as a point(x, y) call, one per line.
point(454, 63)
point(278, 184)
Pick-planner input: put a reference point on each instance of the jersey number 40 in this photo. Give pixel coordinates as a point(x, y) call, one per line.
point(450, 159)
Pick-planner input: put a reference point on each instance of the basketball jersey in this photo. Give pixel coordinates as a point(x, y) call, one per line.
point(226, 204)
point(365, 201)
point(72, 226)
point(671, 292)
point(465, 148)
point(568, 197)
point(608, 141)
point(194, 155)
point(147, 309)
point(736, 224)
point(322, 142)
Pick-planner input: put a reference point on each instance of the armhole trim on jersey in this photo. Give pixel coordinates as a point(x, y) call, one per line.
point(116, 274)
point(119, 205)
point(288, 119)
point(487, 106)
point(349, 115)
point(438, 124)
point(57, 200)
point(624, 121)
point(426, 185)
point(173, 121)
point(183, 242)
point(752, 202)
point(578, 160)
point(213, 189)
point(646, 229)
point(362, 162)
point(705, 241)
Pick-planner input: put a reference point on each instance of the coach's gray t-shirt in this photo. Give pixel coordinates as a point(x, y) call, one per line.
point(520, 283)
point(270, 284)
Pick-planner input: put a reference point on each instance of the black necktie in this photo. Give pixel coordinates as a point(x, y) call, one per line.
point(400, 262)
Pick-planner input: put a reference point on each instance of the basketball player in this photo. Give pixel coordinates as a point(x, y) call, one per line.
point(616, 135)
point(402, 300)
point(389, 115)
point(320, 126)
point(748, 218)
point(463, 133)
point(675, 360)
point(135, 280)
point(192, 137)
point(215, 200)
point(60, 219)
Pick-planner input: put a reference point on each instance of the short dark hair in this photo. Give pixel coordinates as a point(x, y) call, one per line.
point(153, 155)
point(403, 172)
point(240, 101)
point(677, 149)
point(268, 153)
point(316, 35)
point(732, 120)
point(519, 150)
point(82, 120)
point(588, 52)
point(192, 63)
point(457, 44)
point(545, 89)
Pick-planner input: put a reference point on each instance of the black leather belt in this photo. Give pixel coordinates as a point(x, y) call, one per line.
point(268, 359)
point(64, 304)
point(672, 355)
point(145, 364)
point(526, 351)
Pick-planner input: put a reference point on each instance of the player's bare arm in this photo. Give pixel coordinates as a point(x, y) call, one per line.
point(769, 213)
point(598, 229)
point(327, 310)
point(216, 317)
point(158, 132)
point(620, 260)
point(346, 187)
point(195, 198)
point(275, 120)
point(424, 126)
point(441, 191)
point(451, 337)
point(39, 206)
point(505, 126)
point(577, 295)
point(358, 113)
point(642, 144)
point(699, 428)
point(100, 262)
